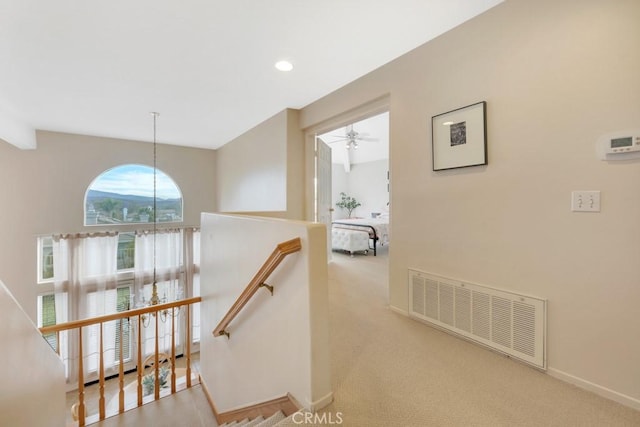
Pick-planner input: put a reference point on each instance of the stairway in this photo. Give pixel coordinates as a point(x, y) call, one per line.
point(277, 419)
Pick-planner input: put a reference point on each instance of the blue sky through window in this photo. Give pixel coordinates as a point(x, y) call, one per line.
point(136, 180)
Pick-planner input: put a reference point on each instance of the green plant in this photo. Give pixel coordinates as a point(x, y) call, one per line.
point(148, 381)
point(347, 202)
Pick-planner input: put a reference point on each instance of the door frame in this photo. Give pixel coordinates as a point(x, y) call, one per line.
point(373, 108)
point(364, 111)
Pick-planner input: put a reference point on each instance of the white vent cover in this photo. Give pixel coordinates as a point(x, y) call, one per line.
point(510, 323)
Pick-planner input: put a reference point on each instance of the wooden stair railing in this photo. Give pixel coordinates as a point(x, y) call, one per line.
point(279, 253)
point(154, 312)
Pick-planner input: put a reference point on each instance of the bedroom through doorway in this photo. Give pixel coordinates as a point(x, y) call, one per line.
point(359, 201)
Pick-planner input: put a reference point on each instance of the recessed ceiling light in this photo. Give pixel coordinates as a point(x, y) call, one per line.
point(284, 65)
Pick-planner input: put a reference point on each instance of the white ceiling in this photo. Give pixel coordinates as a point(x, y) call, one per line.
point(99, 67)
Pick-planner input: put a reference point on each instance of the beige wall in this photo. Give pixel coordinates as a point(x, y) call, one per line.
point(556, 75)
point(263, 169)
point(295, 166)
point(42, 192)
point(32, 390)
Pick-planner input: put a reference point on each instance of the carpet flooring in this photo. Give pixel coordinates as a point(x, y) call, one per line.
point(389, 370)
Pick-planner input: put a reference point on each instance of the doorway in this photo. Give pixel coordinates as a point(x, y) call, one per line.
point(358, 173)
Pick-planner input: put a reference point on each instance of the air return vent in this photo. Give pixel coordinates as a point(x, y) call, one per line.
point(510, 323)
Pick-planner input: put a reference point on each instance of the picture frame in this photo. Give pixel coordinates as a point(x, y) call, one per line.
point(459, 137)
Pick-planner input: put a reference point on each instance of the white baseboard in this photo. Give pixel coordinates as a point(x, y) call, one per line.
point(399, 311)
point(595, 388)
point(320, 403)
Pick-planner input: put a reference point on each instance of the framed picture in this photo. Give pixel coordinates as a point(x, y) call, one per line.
point(459, 137)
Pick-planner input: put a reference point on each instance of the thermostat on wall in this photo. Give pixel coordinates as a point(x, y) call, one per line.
point(623, 144)
point(619, 146)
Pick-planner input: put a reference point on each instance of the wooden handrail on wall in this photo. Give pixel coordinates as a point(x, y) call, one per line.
point(279, 253)
point(154, 312)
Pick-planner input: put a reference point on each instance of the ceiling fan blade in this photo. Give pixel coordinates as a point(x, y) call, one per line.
point(333, 141)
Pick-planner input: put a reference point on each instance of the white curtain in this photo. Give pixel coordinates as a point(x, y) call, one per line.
point(61, 269)
point(164, 251)
point(85, 278)
point(195, 283)
point(191, 263)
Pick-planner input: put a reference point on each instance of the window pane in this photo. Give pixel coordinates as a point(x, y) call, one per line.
point(47, 317)
point(102, 303)
point(124, 298)
point(46, 258)
point(125, 195)
point(126, 251)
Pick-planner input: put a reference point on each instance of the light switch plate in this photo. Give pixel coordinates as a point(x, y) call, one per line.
point(585, 201)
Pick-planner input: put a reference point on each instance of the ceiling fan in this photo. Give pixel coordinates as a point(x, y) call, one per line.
point(352, 138)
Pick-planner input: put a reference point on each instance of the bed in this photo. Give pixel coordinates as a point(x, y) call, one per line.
point(377, 228)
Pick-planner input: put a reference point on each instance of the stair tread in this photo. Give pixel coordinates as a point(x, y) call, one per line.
point(272, 420)
point(288, 421)
point(254, 422)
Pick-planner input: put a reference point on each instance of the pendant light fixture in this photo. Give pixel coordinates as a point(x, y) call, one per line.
point(155, 298)
point(154, 293)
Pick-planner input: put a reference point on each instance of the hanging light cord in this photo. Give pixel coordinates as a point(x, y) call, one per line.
point(155, 211)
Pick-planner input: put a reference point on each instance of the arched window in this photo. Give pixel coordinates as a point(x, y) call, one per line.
point(124, 195)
